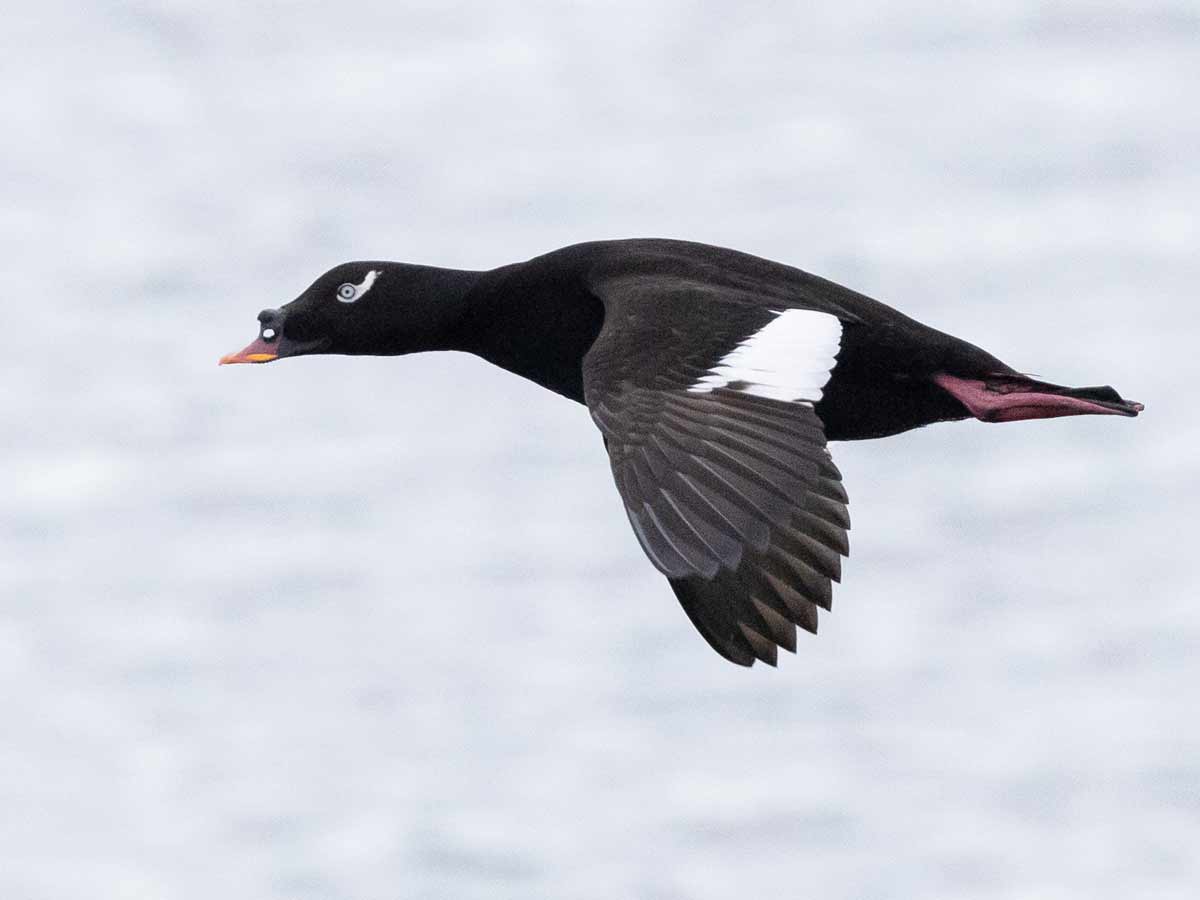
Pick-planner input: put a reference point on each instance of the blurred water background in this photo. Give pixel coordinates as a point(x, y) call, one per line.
point(378, 628)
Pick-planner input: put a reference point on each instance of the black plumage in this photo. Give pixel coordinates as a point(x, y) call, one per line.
point(715, 416)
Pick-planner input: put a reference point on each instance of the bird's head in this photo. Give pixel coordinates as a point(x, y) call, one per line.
point(363, 308)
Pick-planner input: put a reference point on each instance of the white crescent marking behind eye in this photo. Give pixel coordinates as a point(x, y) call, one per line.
point(360, 289)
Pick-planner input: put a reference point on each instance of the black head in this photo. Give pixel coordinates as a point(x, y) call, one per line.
point(364, 308)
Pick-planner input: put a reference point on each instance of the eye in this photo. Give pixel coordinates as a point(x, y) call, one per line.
point(268, 334)
point(349, 292)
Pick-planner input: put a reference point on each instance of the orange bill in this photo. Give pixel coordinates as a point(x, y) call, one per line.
point(258, 352)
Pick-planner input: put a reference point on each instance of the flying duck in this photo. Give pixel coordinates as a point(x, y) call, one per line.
point(716, 379)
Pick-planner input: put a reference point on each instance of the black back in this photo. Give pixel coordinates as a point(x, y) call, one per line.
point(540, 318)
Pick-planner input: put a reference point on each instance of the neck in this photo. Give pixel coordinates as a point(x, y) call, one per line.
point(526, 319)
point(441, 297)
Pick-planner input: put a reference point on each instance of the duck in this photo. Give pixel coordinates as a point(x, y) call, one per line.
point(716, 379)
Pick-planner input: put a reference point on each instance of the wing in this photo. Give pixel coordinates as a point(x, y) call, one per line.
point(705, 399)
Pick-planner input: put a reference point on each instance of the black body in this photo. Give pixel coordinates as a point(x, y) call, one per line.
point(732, 494)
point(538, 319)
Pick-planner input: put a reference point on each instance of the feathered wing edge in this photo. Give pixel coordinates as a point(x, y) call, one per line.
point(736, 500)
point(748, 613)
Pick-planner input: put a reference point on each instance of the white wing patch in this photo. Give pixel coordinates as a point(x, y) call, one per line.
point(788, 359)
